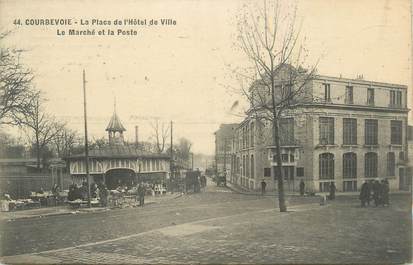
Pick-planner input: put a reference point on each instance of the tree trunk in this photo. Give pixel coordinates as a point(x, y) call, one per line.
point(278, 168)
point(37, 152)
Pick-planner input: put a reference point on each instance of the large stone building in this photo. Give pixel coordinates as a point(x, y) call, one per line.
point(120, 163)
point(345, 131)
point(223, 139)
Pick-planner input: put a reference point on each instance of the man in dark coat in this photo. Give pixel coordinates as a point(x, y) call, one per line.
point(385, 192)
point(364, 194)
point(302, 186)
point(263, 186)
point(376, 193)
point(141, 193)
point(332, 191)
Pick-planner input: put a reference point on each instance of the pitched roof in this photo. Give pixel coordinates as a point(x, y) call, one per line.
point(114, 124)
point(119, 151)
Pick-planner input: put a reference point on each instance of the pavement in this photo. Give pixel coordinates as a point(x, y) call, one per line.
point(241, 190)
point(66, 210)
point(218, 226)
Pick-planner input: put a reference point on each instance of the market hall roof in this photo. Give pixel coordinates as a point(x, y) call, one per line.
point(114, 124)
point(119, 151)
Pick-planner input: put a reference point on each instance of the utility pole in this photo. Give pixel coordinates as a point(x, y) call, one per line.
point(171, 166)
point(225, 157)
point(86, 141)
point(192, 161)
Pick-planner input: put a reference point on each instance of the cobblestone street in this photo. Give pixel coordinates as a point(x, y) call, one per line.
point(219, 227)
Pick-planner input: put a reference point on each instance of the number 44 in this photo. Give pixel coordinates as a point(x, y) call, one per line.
point(17, 22)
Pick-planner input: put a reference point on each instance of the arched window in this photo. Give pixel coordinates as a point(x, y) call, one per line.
point(391, 164)
point(247, 166)
point(370, 165)
point(326, 166)
point(252, 166)
point(349, 165)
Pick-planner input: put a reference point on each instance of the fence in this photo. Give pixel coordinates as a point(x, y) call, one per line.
point(20, 186)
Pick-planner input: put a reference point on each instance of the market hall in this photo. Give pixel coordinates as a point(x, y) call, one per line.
point(119, 163)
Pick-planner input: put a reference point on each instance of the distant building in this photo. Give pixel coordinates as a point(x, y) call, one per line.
point(20, 176)
point(348, 131)
point(223, 139)
point(120, 163)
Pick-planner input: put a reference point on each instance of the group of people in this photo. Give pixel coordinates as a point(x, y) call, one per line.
point(98, 191)
point(378, 191)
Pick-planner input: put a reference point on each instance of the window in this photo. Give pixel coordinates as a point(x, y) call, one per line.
point(284, 157)
point(243, 166)
point(252, 166)
point(370, 96)
point(300, 172)
point(267, 172)
point(247, 136)
point(349, 185)
point(399, 98)
point(349, 95)
point(327, 92)
point(291, 158)
point(247, 167)
point(395, 98)
point(326, 166)
point(349, 131)
point(402, 156)
point(370, 165)
point(371, 127)
point(287, 131)
point(326, 130)
point(396, 132)
point(349, 165)
point(392, 98)
point(243, 137)
point(252, 132)
point(391, 164)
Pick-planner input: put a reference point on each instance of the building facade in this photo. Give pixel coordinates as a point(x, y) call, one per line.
point(223, 139)
point(348, 132)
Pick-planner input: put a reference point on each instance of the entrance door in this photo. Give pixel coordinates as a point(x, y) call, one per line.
point(288, 172)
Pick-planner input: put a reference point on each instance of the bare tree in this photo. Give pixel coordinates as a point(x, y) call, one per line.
point(183, 151)
point(41, 128)
point(16, 91)
point(65, 140)
point(160, 133)
point(277, 80)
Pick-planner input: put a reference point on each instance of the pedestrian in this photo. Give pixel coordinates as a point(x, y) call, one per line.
point(364, 194)
point(369, 189)
point(376, 193)
point(302, 187)
point(141, 193)
point(263, 186)
point(385, 192)
point(332, 191)
point(103, 195)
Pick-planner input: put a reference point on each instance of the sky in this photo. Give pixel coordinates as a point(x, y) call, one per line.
point(182, 72)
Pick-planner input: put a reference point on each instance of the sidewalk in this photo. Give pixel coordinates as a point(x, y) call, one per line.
point(242, 190)
point(65, 210)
